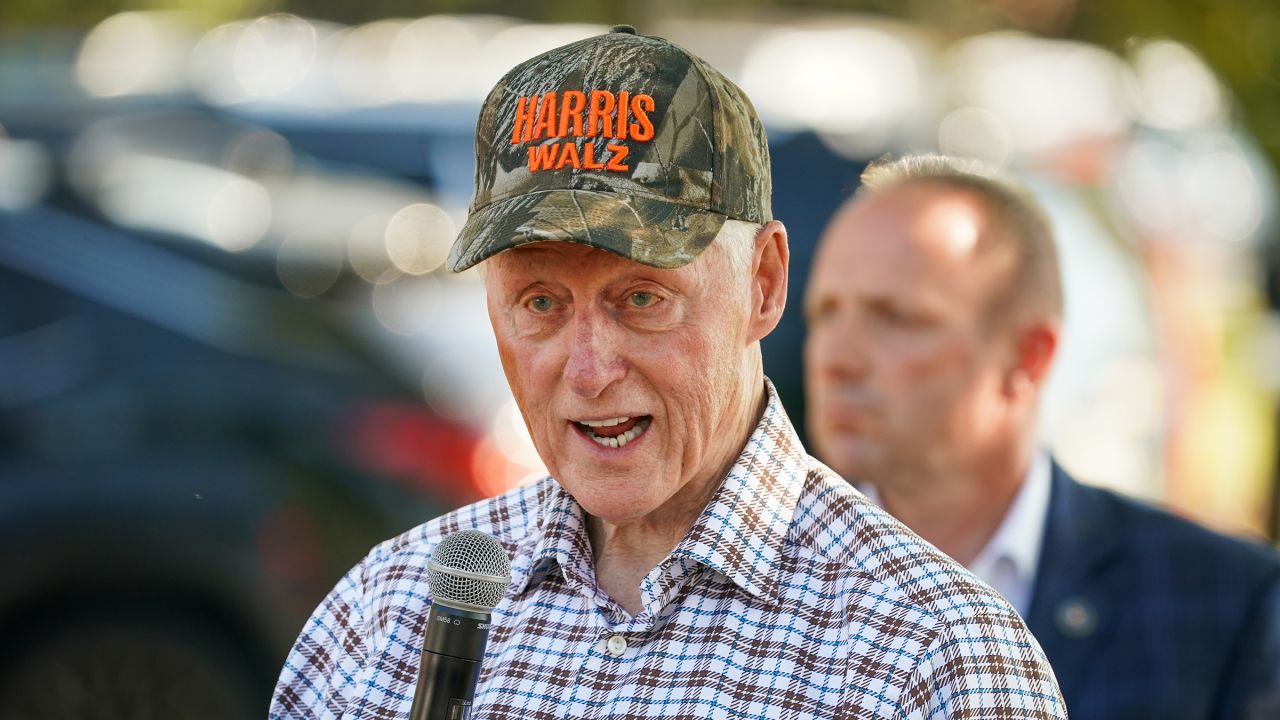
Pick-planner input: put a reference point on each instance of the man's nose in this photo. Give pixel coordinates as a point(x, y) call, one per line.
point(839, 349)
point(594, 361)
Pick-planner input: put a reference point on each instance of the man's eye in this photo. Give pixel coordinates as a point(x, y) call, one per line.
point(642, 299)
point(819, 314)
point(898, 317)
point(540, 303)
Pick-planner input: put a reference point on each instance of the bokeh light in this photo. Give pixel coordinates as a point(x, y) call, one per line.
point(274, 54)
point(861, 82)
point(1045, 92)
point(184, 198)
point(134, 53)
point(977, 133)
point(1176, 90)
point(432, 59)
point(418, 238)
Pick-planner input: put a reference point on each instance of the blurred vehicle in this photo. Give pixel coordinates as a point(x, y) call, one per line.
point(187, 463)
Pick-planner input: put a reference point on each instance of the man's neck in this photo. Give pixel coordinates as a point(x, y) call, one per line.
point(625, 553)
point(960, 509)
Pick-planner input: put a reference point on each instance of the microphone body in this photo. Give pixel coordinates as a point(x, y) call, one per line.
point(450, 664)
point(469, 572)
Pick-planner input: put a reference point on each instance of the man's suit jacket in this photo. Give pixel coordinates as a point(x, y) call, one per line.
point(1145, 615)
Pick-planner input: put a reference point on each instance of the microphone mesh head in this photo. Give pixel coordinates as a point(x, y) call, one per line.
point(469, 570)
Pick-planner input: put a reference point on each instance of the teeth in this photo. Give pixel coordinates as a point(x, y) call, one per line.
point(623, 439)
point(604, 423)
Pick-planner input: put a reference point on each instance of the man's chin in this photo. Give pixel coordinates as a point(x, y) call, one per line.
point(614, 497)
point(615, 511)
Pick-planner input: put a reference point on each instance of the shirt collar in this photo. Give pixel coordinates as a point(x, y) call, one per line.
point(1021, 533)
point(561, 541)
point(740, 534)
point(742, 531)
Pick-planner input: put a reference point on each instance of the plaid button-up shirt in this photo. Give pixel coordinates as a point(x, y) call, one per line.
point(792, 596)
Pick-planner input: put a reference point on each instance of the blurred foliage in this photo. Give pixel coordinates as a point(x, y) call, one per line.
point(86, 13)
point(1239, 38)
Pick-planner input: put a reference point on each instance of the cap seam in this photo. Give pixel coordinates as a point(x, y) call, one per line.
point(716, 129)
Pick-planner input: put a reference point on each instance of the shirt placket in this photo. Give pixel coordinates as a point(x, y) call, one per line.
point(604, 676)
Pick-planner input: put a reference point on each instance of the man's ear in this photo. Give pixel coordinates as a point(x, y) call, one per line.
point(1035, 344)
point(769, 267)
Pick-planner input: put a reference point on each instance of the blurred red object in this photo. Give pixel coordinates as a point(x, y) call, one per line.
point(426, 451)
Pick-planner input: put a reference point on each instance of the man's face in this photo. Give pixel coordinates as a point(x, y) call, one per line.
point(626, 375)
point(902, 376)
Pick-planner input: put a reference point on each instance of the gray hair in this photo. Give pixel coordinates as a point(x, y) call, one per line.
point(738, 238)
point(1018, 218)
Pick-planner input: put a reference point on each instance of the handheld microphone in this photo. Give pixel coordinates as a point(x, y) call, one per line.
point(468, 573)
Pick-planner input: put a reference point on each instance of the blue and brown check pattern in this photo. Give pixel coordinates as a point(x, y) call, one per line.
point(791, 597)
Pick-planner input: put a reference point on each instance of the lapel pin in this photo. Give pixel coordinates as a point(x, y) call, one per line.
point(1076, 617)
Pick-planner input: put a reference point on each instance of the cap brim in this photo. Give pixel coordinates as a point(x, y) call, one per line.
point(652, 231)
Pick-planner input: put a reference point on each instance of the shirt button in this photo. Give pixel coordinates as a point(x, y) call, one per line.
point(616, 645)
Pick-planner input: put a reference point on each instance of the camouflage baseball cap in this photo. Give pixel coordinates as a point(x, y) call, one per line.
point(623, 142)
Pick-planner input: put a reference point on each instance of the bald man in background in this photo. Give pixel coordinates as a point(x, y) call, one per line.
point(934, 311)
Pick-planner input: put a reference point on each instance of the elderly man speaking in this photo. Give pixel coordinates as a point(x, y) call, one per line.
point(685, 558)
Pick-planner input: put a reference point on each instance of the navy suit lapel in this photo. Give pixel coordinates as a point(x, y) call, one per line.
point(1069, 613)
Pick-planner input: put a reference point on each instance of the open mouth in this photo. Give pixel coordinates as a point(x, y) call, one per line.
point(614, 432)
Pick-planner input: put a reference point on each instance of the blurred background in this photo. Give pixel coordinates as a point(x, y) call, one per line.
point(230, 360)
